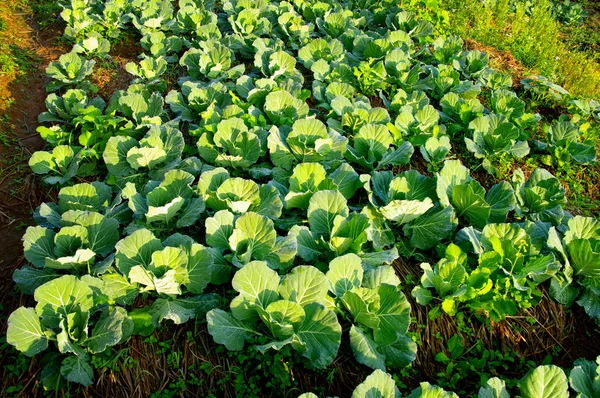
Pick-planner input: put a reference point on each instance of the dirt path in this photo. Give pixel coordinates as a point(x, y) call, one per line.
point(22, 98)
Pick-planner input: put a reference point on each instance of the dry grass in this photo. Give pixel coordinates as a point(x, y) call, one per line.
point(501, 60)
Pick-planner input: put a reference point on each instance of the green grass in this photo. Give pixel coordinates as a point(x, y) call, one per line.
point(531, 34)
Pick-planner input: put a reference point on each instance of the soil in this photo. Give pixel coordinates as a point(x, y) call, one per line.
point(110, 76)
point(22, 98)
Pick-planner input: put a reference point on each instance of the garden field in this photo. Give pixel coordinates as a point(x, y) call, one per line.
point(261, 198)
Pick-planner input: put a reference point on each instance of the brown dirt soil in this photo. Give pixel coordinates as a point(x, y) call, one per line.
point(21, 100)
point(110, 76)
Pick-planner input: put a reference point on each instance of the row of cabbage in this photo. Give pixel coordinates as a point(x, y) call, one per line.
point(543, 381)
point(269, 167)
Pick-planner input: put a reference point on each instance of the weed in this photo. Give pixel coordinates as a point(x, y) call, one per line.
point(113, 361)
point(530, 33)
point(45, 12)
point(469, 367)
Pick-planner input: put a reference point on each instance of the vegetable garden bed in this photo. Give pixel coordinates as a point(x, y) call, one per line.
point(279, 197)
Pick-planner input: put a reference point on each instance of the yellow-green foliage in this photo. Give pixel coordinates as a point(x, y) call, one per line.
point(531, 34)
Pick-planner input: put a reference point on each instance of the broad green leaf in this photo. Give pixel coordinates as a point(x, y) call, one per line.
point(75, 368)
point(359, 302)
point(436, 148)
point(90, 197)
point(119, 290)
point(48, 215)
point(582, 228)
point(305, 180)
point(25, 332)
point(501, 198)
point(277, 345)
point(590, 303)
point(377, 384)
point(411, 185)
point(190, 212)
point(401, 353)
point(257, 283)
point(494, 388)
point(169, 283)
point(320, 334)
point(397, 157)
point(270, 202)
point(323, 207)
point(584, 378)
point(372, 141)
point(546, 381)
point(41, 162)
point(304, 284)
point(283, 108)
point(279, 151)
point(198, 267)
point(166, 212)
point(304, 137)
point(346, 180)
point(144, 277)
point(563, 291)
point(453, 173)
point(344, 274)
point(585, 257)
point(253, 237)
point(307, 246)
point(426, 390)
point(60, 297)
point(429, 229)
point(219, 228)
point(381, 274)
point(220, 269)
point(365, 349)
point(108, 331)
point(379, 231)
point(146, 157)
point(469, 202)
point(102, 232)
point(582, 153)
point(28, 278)
point(136, 249)
point(38, 243)
point(142, 321)
point(239, 194)
point(210, 180)
point(349, 234)
point(284, 315)
point(283, 253)
point(177, 311)
point(393, 314)
point(404, 211)
point(169, 258)
point(50, 376)
point(227, 330)
point(115, 155)
point(69, 239)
